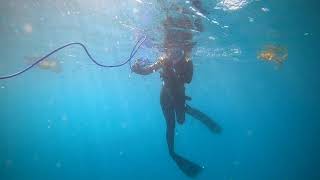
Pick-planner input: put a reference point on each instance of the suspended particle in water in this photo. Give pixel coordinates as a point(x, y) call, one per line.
point(212, 38)
point(249, 132)
point(49, 124)
point(236, 163)
point(215, 22)
point(58, 164)
point(273, 53)
point(64, 117)
point(35, 157)
point(264, 9)
point(306, 34)
point(251, 19)
point(124, 125)
point(28, 28)
point(8, 163)
point(2, 87)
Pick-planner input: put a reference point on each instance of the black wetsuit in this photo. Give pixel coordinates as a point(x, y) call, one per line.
point(172, 99)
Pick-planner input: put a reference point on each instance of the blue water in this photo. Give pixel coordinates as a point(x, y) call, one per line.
point(87, 122)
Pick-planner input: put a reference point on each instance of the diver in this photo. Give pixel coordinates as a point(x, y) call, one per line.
point(172, 98)
point(176, 70)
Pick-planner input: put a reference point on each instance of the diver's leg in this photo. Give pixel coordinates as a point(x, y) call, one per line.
point(168, 112)
point(180, 109)
point(180, 113)
point(179, 99)
point(189, 168)
point(203, 118)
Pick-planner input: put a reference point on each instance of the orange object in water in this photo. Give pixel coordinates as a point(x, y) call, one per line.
point(273, 53)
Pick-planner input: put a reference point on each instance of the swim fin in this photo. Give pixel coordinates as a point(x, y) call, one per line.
point(187, 167)
point(205, 119)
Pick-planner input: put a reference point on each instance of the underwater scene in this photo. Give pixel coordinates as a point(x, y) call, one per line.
point(159, 90)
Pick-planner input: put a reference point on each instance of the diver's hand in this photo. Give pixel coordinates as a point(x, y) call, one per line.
point(144, 67)
point(136, 68)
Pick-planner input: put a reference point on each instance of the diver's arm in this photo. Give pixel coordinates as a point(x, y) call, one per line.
point(145, 70)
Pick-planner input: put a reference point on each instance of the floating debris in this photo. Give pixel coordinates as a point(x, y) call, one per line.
point(273, 53)
point(47, 64)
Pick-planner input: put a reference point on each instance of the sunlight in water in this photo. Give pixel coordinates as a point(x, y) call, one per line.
point(232, 5)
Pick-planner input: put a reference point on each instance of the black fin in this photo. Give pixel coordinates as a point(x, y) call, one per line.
point(189, 168)
point(205, 119)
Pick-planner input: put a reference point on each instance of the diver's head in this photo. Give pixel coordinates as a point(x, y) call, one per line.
point(175, 54)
